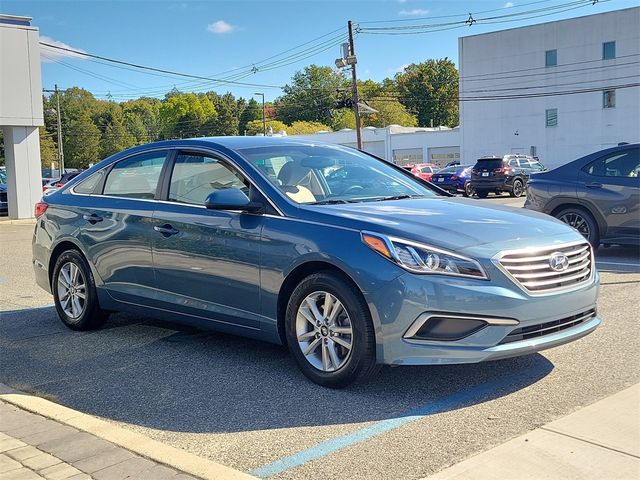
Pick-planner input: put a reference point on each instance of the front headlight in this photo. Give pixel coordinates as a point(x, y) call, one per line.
point(423, 259)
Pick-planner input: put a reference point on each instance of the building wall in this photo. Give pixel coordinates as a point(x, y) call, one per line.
point(20, 81)
point(583, 125)
point(400, 144)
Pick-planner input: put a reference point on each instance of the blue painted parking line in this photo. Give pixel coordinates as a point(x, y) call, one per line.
point(327, 447)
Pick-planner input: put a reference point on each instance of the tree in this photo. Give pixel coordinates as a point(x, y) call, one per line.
point(302, 128)
point(390, 112)
point(429, 90)
point(48, 153)
point(311, 96)
point(81, 142)
point(226, 122)
point(343, 118)
point(252, 111)
point(184, 114)
point(115, 138)
point(254, 127)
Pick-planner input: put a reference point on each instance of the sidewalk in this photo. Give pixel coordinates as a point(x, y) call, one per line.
point(34, 447)
point(598, 442)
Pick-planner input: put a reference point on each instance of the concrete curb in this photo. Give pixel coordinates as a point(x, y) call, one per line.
point(135, 442)
point(17, 221)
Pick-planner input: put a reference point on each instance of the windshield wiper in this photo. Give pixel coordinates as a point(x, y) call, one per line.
point(331, 201)
point(395, 197)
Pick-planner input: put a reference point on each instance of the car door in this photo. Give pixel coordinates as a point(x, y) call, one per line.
point(611, 184)
point(207, 262)
point(117, 224)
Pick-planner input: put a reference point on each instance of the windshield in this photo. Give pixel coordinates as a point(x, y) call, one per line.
point(327, 174)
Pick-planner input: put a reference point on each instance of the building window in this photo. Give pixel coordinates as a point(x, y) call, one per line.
point(608, 50)
point(552, 117)
point(608, 99)
point(551, 58)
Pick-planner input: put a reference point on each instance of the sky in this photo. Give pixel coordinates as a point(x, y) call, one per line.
point(224, 39)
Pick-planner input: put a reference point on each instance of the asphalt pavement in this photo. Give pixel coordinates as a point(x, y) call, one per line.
point(243, 403)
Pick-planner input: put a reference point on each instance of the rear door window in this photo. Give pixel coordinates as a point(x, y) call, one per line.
point(135, 177)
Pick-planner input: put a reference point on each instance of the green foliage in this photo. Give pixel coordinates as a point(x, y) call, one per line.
point(254, 127)
point(429, 90)
point(48, 151)
point(390, 112)
point(93, 129)
point(311, 96)
point(302, 128)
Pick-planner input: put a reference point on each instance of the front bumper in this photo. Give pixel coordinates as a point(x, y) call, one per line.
point(401, 304)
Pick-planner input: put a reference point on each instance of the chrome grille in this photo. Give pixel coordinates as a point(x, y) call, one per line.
point(532, 269)
point(542, 329)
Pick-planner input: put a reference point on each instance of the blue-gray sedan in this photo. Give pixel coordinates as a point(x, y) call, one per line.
point(348, 260)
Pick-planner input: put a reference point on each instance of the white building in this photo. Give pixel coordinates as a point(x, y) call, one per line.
point(21, 112)
point(599, 54)
point(402, 145)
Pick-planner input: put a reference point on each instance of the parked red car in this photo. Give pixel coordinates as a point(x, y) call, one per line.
point(422, 170)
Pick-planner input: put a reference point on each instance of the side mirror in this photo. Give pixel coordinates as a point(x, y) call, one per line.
point(232, 199)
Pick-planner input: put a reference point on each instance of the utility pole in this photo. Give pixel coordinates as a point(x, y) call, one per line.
point(60, 150)
point(264, 116)
point(354, 78)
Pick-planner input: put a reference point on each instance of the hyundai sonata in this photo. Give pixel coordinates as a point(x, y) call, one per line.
point(348, 260)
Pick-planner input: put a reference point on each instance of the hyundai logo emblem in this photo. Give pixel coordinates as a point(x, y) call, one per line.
point(558, 262)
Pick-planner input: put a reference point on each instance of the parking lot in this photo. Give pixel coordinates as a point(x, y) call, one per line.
point(244, 403)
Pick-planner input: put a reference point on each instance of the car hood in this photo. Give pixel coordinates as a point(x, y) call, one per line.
point(446, 222)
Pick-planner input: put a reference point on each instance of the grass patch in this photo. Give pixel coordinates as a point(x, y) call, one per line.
point(28, 389)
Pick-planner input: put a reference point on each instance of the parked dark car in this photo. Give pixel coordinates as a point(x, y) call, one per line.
point(598, 195)
point(454, 179)
point(67, 176)
point(4, 204)
point(509, 173)
point(247, 235)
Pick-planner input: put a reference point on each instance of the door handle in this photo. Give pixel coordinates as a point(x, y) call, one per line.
point(166, 230)
point(593, 185)
point(93, 218)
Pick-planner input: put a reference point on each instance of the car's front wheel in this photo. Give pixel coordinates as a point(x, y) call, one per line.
point(74, 293)
point(329, 331)
point(582, 221)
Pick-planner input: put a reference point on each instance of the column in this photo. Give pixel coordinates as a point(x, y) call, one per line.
point(24, 173)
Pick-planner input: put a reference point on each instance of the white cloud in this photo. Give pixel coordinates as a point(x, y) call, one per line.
point(399, 69)
point(49, 54)
point(402, 1)
point(220, 27)
point(508, 5)
point(413, 12)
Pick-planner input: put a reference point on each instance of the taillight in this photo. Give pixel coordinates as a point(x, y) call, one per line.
point(59, 185)
point(454, 177)
point(40, 208)
point(474, 171)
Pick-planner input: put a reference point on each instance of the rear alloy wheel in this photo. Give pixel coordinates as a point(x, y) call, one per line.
point(74, 293)
point(329, 331)
point(582, 221)
point(468, 189)
point(518, 188)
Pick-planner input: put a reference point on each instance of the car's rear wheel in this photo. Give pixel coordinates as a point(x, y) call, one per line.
point(468, 189)
point(518, 188)
point(482, 193)
point(582, 221)
point(74, 293)
point(329, 331)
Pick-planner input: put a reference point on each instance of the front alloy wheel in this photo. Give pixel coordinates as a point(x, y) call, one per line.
point(324, 331)
point(329, 330)
point(583, 222)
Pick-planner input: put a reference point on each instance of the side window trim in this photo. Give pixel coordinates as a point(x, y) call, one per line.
point(163, 194)
point(100, 187)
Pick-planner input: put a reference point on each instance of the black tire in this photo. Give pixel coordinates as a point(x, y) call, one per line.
point(360, 363)
point(517, 189)
point(582, 220)
point(468, 189)
point(482, 193)
point(91, 316)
